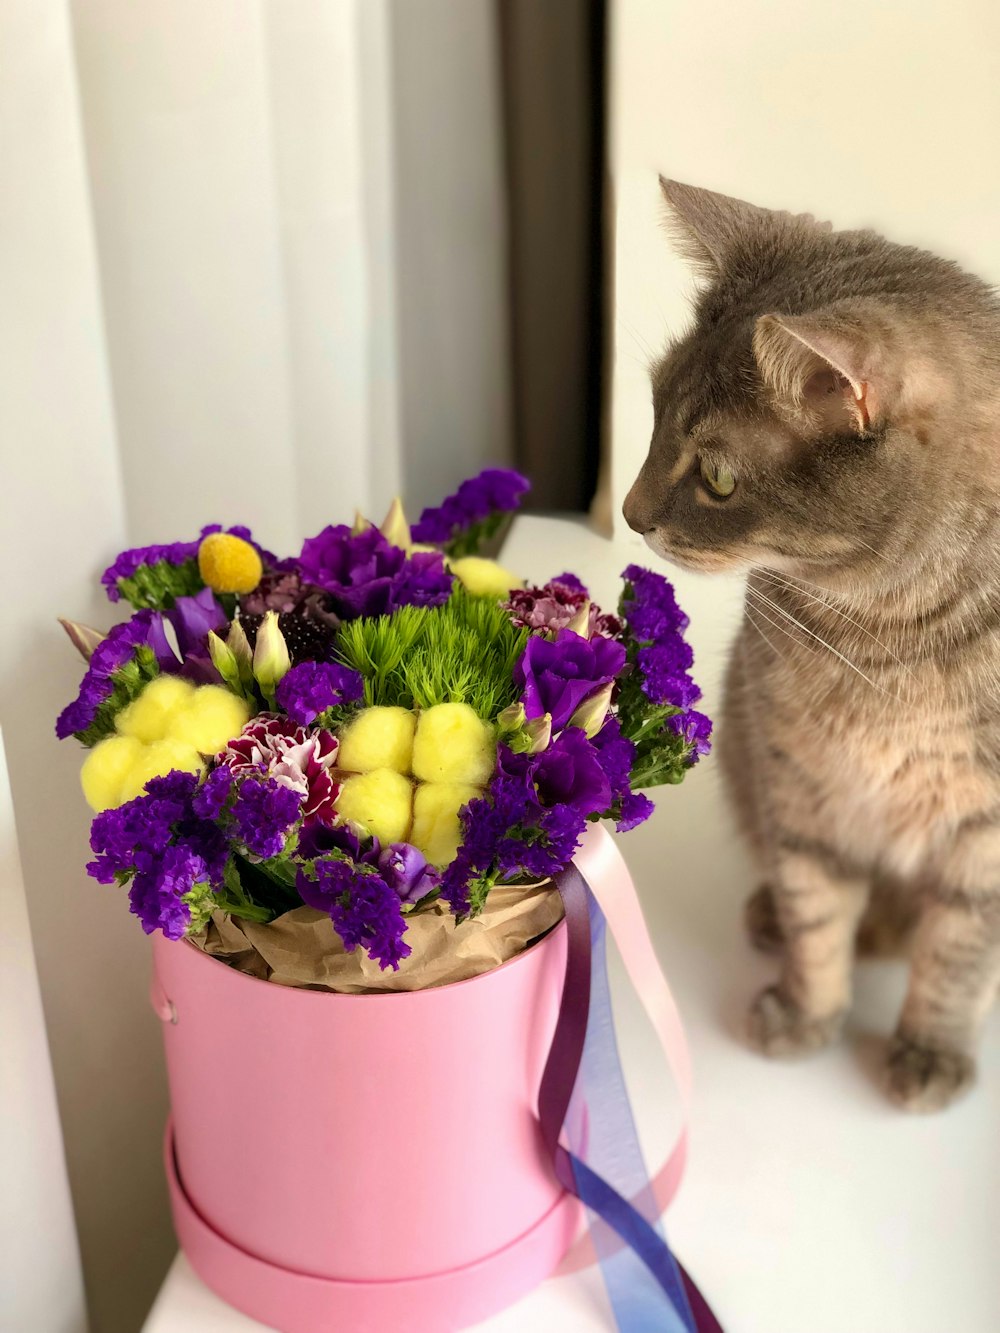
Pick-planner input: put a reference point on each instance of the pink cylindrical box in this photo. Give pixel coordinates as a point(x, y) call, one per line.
point(363, 1162)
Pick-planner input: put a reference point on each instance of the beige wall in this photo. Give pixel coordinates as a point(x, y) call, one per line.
point(885, 115)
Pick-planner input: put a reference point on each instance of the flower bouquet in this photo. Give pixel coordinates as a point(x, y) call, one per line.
point(363, 769)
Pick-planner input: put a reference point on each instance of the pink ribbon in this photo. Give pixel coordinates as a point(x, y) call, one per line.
point(602, 865)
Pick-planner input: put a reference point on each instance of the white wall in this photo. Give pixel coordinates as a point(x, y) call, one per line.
point(201, 277)
point(884, 115)
point(41, 1283)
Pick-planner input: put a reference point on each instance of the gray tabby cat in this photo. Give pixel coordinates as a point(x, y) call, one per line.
point(831, 424)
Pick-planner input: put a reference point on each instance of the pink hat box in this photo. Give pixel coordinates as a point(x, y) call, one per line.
point(368, 1163)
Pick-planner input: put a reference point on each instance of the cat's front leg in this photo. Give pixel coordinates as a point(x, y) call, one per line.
point(953, 981)
point(819, 904)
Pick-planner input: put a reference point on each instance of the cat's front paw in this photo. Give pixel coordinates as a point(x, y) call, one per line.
point(760, 916)
point(777, 1026)
point(921, 1079)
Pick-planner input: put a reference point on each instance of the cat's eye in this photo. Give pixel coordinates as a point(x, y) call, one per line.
point(719, 479)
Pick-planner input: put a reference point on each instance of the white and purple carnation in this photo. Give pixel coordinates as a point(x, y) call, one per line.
point(295, 757)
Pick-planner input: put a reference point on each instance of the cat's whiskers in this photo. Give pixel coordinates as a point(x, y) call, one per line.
point(759, 607)
point(781, 611)
point(794, 584)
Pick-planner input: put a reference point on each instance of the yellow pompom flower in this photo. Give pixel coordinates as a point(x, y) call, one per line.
point(485, 578)
point(210, 719)
point(105, 769)
point(378, 738)
point(156, 761)
point(380, 801)
point(228, 563)
point(453, 744)
point(437, 829)
point(149, 717)
point(172, 724)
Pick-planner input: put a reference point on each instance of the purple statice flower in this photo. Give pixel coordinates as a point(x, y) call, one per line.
point(312, 687)
point(365, 575)
point(407, 872)
point(110, 655)
point(175, 556)
point(663, 667)
point(212, 796)
point(649, 605)
point(509, 833)
point(162, 898)
point(264, 813)
point(696, 729)
point(555, 676)
point(364, 909)
point(552, 607)
point(174, 857)
point(616, 754)
point(493, 491)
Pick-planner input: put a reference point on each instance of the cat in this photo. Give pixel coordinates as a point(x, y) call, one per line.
point(831, 425)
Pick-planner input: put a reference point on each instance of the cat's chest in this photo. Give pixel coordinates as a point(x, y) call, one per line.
point(887, 772)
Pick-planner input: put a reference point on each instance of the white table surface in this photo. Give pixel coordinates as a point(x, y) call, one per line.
point(810, 1205)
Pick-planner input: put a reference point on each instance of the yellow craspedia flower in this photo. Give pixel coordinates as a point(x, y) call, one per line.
point(210, 719)
point(437, 830)
point(105, 769)
point(378, 738)
point(485, 578)
point(155, 761)
point(381, 801)
point(228, 563)
point(453, 744)
point(149, 717)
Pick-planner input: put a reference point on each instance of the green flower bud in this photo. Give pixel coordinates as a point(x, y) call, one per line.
point(591, 714)
point(270, 656)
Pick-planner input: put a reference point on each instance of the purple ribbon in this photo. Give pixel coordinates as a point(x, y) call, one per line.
point(656, 1295)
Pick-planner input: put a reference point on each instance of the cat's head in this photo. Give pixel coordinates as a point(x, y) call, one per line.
point(806, 421)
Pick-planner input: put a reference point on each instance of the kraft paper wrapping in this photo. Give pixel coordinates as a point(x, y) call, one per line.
point(301, 948)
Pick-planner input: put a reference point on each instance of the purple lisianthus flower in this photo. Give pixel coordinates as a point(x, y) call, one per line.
point(312, 687)
point(569, 773)
point(556, 676)
point(110, 655)
point(407, 872)
point(363, 908)
point(365, 575)
point(193, 618)
point(264, 813)
point(493, 491)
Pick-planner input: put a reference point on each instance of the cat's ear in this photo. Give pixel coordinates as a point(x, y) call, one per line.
point(831, 364)
point(710, 228)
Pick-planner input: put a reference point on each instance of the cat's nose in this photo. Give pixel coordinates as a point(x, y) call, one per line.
point(636, 512)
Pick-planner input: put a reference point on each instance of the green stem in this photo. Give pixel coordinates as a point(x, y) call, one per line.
point(247, 910)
